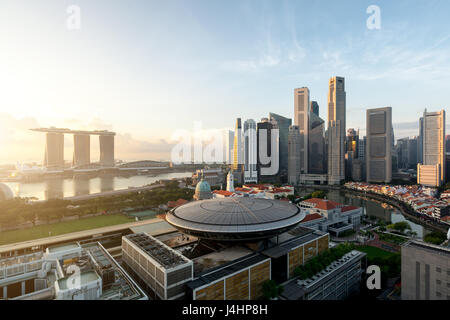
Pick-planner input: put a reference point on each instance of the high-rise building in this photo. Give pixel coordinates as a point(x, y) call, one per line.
point(362, 149)
point(352, 141)
point(250, 152)
point(447, 143)
point(294, 154)
point(265, 146)
point(420, 142)
point(316, 150)
point(336, 157)
point(336, 130)
point(229, 146)
point(407, 155)
point(314, 108)
point(379, 147)
point(433, 140)
point(237, 146)
point(402, 153)
point(283, 125)
point(301, 119)
point(54, 150)
point(429, 175)
point(82, 149)
point(425, 271)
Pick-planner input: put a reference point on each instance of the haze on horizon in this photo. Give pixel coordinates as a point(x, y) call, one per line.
point(147, 68)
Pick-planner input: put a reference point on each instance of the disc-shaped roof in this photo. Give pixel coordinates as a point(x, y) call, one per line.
point(235, 215)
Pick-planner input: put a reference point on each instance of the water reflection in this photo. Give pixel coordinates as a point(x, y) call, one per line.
point(54, 189)
point(106, 183)
point(80, 185)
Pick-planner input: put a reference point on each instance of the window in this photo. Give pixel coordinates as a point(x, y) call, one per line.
point(438, 294)
point(438, 281)
point(438, 269)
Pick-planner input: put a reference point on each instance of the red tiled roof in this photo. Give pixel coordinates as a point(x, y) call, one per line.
point(312, 216)
point(323, 204)
point(348, 208)
point(225, 193)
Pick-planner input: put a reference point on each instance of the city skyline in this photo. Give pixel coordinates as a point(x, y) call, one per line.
point(274, 48)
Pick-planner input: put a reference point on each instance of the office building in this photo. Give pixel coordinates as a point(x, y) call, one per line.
point(420, 142)
point(301, 119)
point(425, 271)
point(294, 154)
point(283, 125)
point(433, 140)
point(314, 108)
point(229, 146)
point(268, 146)
point(316, 152)
point(352, 141)
point(429, 175)
point(379, 147)
point(336, 157)
point(362, 149)
point(341, 279)
point(250, 152)
point(164, 270)
point(237, 146)
point(336, 130)
point(49, 274)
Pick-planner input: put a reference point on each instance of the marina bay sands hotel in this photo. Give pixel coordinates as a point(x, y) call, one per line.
point(54, 147)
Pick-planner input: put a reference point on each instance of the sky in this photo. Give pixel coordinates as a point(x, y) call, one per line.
point(147, 68)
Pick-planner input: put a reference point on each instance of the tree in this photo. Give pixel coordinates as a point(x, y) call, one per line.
point(271, 289)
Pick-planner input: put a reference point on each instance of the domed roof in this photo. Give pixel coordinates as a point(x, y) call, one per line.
point(5, 192)
point(234, 219)
point(203, 186)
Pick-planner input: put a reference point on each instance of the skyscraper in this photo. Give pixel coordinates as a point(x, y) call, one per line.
point(420, 142)
point(352, 141)
point(362, 149)
point(316, 142)
point(301, 119)
point(379, 147)
point(336, 156)
point(434, 142)
point(336, 129)
point(250, 152)
point(229, 146)
point(283, 125)
point(265, 146)
point(314, 108)
point(237, 149)
point(294, 154)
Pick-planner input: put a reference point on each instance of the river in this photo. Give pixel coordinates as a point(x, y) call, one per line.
point(370, 208)
point(54, 188)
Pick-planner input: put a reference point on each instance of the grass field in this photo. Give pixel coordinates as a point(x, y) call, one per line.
point(373, 252)
point(59, 228)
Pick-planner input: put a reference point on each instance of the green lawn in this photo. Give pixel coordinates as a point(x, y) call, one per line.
point(42, 231)
point(373, 252)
